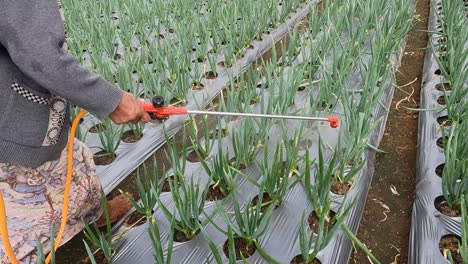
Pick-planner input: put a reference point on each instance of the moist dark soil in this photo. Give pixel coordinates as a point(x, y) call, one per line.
point(441, 100)
point(97, 128)
point(104, 158)
point(314, 221)
point(266, 202)
point(134, 219)
point(388, 239)
point(340, 188)
point(214, 194)
point(299, 260)
point(98, 256)
point(451, 243)
point(443, 86)
point(444, 121)
point(197, 86)
point(242, 248)
point(180, 236)
point(130, 137)
point(442, 206)
point(211, 75)
point(440, 170)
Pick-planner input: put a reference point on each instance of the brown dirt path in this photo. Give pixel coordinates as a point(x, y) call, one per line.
point(386, 231)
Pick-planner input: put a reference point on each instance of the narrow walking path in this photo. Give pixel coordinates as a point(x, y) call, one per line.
point(385, 225)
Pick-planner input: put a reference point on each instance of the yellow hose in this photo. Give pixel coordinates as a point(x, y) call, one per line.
point(3, 224)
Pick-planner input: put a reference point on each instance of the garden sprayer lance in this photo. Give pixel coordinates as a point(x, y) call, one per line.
point(158, 110)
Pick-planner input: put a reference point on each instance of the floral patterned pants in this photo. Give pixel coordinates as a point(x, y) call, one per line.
point(34, 199)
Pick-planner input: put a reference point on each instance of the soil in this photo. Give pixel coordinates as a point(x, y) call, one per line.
point(440, 170)
point(441, 205)
point(134, 219)
point(242, 248)
point(214, 194)
point(197, 86)
point(397, 168)
point(340, 188)
point(104, 158)
point(440, 142)
point(441, 100)
point(299, 260)
point(444, 121)
point(266, 202)
point(451, 242)
point(98, 256)
point(443, 86)
point(211, 75)
point(283, 168)
point(129, 137)
point(192, 157)
point(314, 221)
point(180, 236)
point(166, 186)
point(233, 163)
point(97, 128)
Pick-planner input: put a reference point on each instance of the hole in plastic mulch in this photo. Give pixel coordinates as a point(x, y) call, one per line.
point(197, 86)
point(442, 86)
point(242, 248)
point(97, 128)
point(437, 72)
point(166, 186)
point(266, 202)
point(221, 132)
point(180, 237)
point(443, 207)
point(214, 194)
point(103, 158)
point(444, 121)
point(439, 170)
point(299, 260)
point(210, 75)
point(134, 219)
point(441, 100)
point(314, 221)
point(440, 142)
point(450, 243)
point(130, 137)
point(340, 188)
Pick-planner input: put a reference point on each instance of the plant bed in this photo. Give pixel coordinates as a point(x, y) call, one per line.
point(134, 219)
point(450, 243)
point(130, 137)
point(442, 206)
point(103, 158)
point(300, 260)
point(242, 248)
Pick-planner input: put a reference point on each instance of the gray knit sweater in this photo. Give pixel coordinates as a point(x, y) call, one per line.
point(37, 80)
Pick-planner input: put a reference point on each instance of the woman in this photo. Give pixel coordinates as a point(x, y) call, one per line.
point(38, 81)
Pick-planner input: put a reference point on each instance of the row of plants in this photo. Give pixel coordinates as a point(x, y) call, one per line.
point(349, 40)
point(166, 48)
point(448, 44)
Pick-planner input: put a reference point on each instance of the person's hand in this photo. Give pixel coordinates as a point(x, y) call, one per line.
point(130, 109)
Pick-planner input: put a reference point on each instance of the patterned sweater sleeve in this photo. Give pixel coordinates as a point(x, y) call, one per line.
point(33, 34)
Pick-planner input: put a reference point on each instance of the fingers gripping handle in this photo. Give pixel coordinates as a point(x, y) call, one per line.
point(158, 111)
